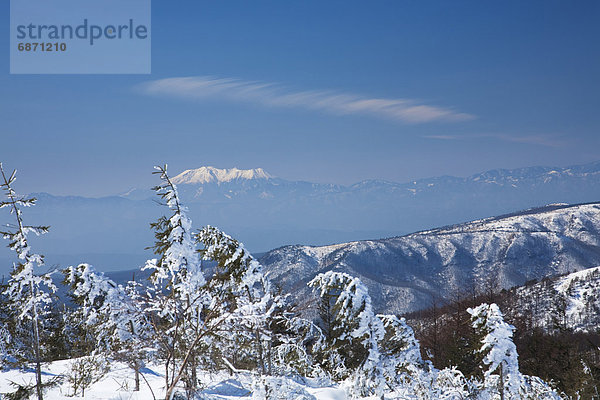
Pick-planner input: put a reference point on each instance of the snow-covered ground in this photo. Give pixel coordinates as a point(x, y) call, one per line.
point(118, 384)
point(581, 291)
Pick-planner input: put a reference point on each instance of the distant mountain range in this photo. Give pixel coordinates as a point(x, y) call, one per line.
point(408, 273)
point(266, 212)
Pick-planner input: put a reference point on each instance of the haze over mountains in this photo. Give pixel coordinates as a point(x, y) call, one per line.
point(266, 212)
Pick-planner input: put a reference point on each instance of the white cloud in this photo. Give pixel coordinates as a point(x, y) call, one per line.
point(272, 95)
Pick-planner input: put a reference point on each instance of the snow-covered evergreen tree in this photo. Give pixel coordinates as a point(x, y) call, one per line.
point(29, 293)
point(500, 359)
point(501, 376)
point(193, 318)
point(358, 333)
point(176, 303)
point(111, 314)
point(178, 268)
point(296, 340)
point(401, 352)
point(240, 290)
point(92, 292)
point(406, 371)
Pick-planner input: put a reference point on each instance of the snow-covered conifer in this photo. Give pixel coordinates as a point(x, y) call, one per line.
point(178, 267)
point(500, 358)
point(92, 291)
point(400, 349)
point(111, 314)
point(295, 342)
point(408, 374)
point(241, 290)
point(358, 333)
point(177, 301)
point(29, 293)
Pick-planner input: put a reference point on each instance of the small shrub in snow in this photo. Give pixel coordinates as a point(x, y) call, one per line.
point(84, 372)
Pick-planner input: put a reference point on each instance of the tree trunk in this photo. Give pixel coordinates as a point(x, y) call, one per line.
point(261, 356)
point(184, 364)
point(137, 379)
point(38, 364)
point(194, 375)
point(269, 358)
point(167, 374)
point(501, 383)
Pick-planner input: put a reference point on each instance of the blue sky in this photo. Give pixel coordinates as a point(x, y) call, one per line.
point(335, 91)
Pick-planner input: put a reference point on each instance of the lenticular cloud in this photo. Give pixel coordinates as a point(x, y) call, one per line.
point(272, 95)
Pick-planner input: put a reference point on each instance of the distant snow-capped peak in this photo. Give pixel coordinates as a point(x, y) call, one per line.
point(211, 174)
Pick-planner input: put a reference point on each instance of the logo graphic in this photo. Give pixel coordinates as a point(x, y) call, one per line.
point(80, 37)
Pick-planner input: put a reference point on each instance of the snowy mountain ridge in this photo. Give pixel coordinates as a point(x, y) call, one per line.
point(409, 272)
point(209, 174)
point(570, 301)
